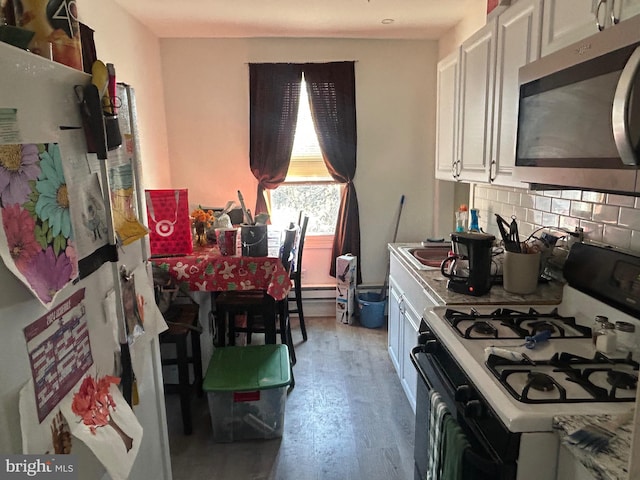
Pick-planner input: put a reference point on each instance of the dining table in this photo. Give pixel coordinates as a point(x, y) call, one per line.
point(207, 270)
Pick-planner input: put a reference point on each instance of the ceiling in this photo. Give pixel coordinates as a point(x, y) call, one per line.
point(412, 19)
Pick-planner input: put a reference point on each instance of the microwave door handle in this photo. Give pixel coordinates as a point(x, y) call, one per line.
point(620, 111)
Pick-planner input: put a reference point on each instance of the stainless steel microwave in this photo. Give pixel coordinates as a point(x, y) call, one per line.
point(579, 114)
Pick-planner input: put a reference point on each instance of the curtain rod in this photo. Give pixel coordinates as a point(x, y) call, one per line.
point(299, 63)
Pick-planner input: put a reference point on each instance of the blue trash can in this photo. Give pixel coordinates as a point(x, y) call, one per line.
point(371, 309)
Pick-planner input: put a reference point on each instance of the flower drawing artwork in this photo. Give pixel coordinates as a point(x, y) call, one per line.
point(19, 165)
point(48, 273)
point(18, 226)
point(93, 404)
point(53, 199)
point(36, 221)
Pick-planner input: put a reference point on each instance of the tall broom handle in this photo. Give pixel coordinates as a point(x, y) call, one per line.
point(383, 292)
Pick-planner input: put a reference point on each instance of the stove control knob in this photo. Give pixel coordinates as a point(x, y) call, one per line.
point(473, 409)
point(463, 394)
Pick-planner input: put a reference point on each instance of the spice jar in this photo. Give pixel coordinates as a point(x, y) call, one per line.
point(598, 322)
point(625, 336)
point(606, 338)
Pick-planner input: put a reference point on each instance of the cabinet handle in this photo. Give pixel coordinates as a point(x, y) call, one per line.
point(599, 25)
point(493, 168)
point(614, 20)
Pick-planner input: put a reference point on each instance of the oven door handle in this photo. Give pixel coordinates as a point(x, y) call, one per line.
point(415, 351)
point(491, 468)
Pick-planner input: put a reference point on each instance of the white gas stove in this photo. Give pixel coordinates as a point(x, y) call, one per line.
point(505, 402)
point(574, 378)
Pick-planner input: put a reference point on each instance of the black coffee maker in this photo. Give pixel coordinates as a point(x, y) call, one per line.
point(469, 268)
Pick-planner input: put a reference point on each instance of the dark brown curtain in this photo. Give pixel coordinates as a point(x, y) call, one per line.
point(274, 95)
point(332, 96)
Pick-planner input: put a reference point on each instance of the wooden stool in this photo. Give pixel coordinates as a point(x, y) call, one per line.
point(183, 323)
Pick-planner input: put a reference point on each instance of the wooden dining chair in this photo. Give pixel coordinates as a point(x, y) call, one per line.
point(296, 276)
point(263, 313)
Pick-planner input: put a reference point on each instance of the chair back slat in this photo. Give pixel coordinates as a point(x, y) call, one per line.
point(290, 236)
point(297, 263)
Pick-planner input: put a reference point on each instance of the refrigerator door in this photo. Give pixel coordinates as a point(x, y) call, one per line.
point(38, 104)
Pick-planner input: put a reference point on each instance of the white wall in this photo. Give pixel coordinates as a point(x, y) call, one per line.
point(475, 17)
point(207, 109)
point(135, 53)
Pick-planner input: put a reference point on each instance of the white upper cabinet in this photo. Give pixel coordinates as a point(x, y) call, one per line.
point(567, 21)
point(518, 44)
point(477, 71)
point(447, 117)
point(477, 109)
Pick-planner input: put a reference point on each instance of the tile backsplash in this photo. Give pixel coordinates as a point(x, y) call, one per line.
point(605, 218)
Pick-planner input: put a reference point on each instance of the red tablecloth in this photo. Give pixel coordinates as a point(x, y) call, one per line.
point(206, 270)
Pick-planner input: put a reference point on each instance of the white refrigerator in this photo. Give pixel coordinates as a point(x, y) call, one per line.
point(39, 105)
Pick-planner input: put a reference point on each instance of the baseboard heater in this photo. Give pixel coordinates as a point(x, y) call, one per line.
point(325, 292)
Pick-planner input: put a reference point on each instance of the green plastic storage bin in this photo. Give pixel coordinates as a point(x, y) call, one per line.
point(247, 391)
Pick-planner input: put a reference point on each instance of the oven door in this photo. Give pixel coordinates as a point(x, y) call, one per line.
point(493, 449)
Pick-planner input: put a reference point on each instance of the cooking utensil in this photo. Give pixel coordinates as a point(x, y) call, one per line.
point(532, 341)
point(247, 216)
point(100, 77)
point(513, 234)
point(509, 234)
point(383, 292)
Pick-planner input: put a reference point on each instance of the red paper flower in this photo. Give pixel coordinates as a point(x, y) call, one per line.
point(93, 401)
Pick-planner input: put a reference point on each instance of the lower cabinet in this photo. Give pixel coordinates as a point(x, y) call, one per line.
point(409, 375)
point(394, 324)
point(407, 302)
point(570, 468)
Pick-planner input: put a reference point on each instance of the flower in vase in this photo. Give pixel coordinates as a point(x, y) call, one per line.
point(201, 220)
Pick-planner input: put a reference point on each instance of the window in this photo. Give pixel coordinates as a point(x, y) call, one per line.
point(308, 186)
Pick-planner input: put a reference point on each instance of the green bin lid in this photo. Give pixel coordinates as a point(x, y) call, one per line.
point(242, 369)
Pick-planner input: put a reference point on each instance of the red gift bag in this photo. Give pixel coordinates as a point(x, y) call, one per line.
point(169, 223)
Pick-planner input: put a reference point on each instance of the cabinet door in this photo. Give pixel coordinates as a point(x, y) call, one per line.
point(409, 377)
point(518, 43)
point(477, 70)
point(447, 117)
point(567, 21)
point(622, 9)
point(394, 325)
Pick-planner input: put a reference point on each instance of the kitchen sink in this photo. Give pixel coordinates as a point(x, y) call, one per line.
point(426, 258)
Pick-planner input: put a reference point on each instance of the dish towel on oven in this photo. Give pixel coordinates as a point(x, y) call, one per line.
point(437, 412)
point(454, 443)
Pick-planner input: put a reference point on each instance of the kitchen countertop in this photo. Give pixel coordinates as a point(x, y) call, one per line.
point(435, 283)
point(611, 465)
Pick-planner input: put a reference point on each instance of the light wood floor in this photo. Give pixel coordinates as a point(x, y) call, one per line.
point(347, 418)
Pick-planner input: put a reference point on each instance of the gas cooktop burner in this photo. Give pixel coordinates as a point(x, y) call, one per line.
point(510, 324)
point(540, 381)
point(543, 326)
point(483, 328)
point(619, 379)
point(567, 378)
